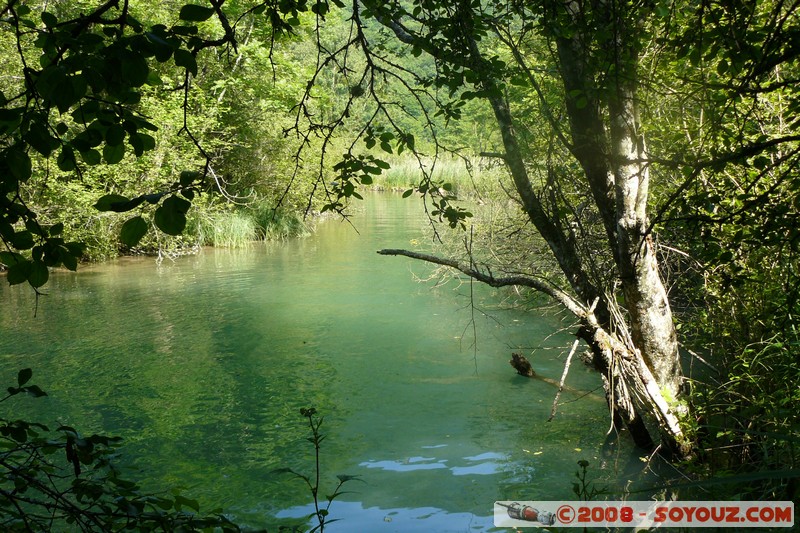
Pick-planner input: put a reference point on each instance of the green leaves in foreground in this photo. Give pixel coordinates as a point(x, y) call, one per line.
point(85, 492)
point(321, 512)
point(353, 171)
point(40, 248)
point(169, 217)
point(133, 230)
point(23, 377)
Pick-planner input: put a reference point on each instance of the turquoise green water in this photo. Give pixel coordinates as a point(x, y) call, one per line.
point(203, 364)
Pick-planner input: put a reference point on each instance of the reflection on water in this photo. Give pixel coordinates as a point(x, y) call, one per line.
point(483, 464)
point(397, 520)
point(202, 366)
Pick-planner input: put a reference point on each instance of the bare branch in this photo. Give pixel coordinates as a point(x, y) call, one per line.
point(576, 308)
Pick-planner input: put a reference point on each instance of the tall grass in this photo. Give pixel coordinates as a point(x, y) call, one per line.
point(477, 177)
point(241, 226)
point(272, 225)
point(226, 229)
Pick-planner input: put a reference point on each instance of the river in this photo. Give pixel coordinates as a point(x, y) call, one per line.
point(203, 364)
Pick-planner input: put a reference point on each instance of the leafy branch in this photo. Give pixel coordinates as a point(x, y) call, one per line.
point(321, 509)
point(37, 493)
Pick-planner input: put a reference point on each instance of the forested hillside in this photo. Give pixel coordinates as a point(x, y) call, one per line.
point(638, 161)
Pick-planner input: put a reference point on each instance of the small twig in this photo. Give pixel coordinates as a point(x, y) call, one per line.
point(563, 378)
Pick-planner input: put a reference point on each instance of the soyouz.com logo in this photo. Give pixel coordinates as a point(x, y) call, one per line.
point(643, 514)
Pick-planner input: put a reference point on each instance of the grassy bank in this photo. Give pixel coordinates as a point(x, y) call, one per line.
point(470, 178)
point(239, 226)
point(208, 224)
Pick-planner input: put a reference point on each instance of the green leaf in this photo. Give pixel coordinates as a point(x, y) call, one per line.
point(188, 177)
point(109, 202)
point(49, 19)
point(40, 139)
point(56, 229)
point(10, 258)
point(133, 203)
point(91, 157)
point(132, 231)
point(408, 193)
point(169, 220)
point(154, 198)
point(39, 274)
point(75, 248)
point(22, 240)
point(66, 159)
point(185, 59)
point(320, 8)
point(135, 69)
point(115, 135)
point(51, 81)
point(24, 376)
point(33, 226)
point(162, 47)
point(178, 204)
point(141, 142)
point(19, 163)
point(69, 260)
point(18, 272)
point(113, 154)
point(35, 391)
point(181, 501)
point(193, 13)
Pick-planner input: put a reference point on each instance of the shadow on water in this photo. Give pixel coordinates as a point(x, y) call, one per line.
point(202, 365)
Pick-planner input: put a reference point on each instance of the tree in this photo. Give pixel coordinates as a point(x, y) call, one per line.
point(74, 98)
point(592, 167)
point(596, 49)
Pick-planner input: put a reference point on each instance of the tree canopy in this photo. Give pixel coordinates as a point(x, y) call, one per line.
point(652, 146)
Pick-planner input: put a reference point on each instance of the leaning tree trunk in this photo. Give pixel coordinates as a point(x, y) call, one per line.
point(652, 326)
point(639, 365)
point(609, 144)
point(614, 160)
point(642, 365)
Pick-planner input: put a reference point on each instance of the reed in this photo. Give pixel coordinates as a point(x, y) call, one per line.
point(273, 225)
point(478, 178)
point(226, 229)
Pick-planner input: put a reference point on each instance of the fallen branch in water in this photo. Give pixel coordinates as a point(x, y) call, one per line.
point(628, 380)
point(522, 365)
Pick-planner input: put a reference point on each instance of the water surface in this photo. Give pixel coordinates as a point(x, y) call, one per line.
point(202, 366)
